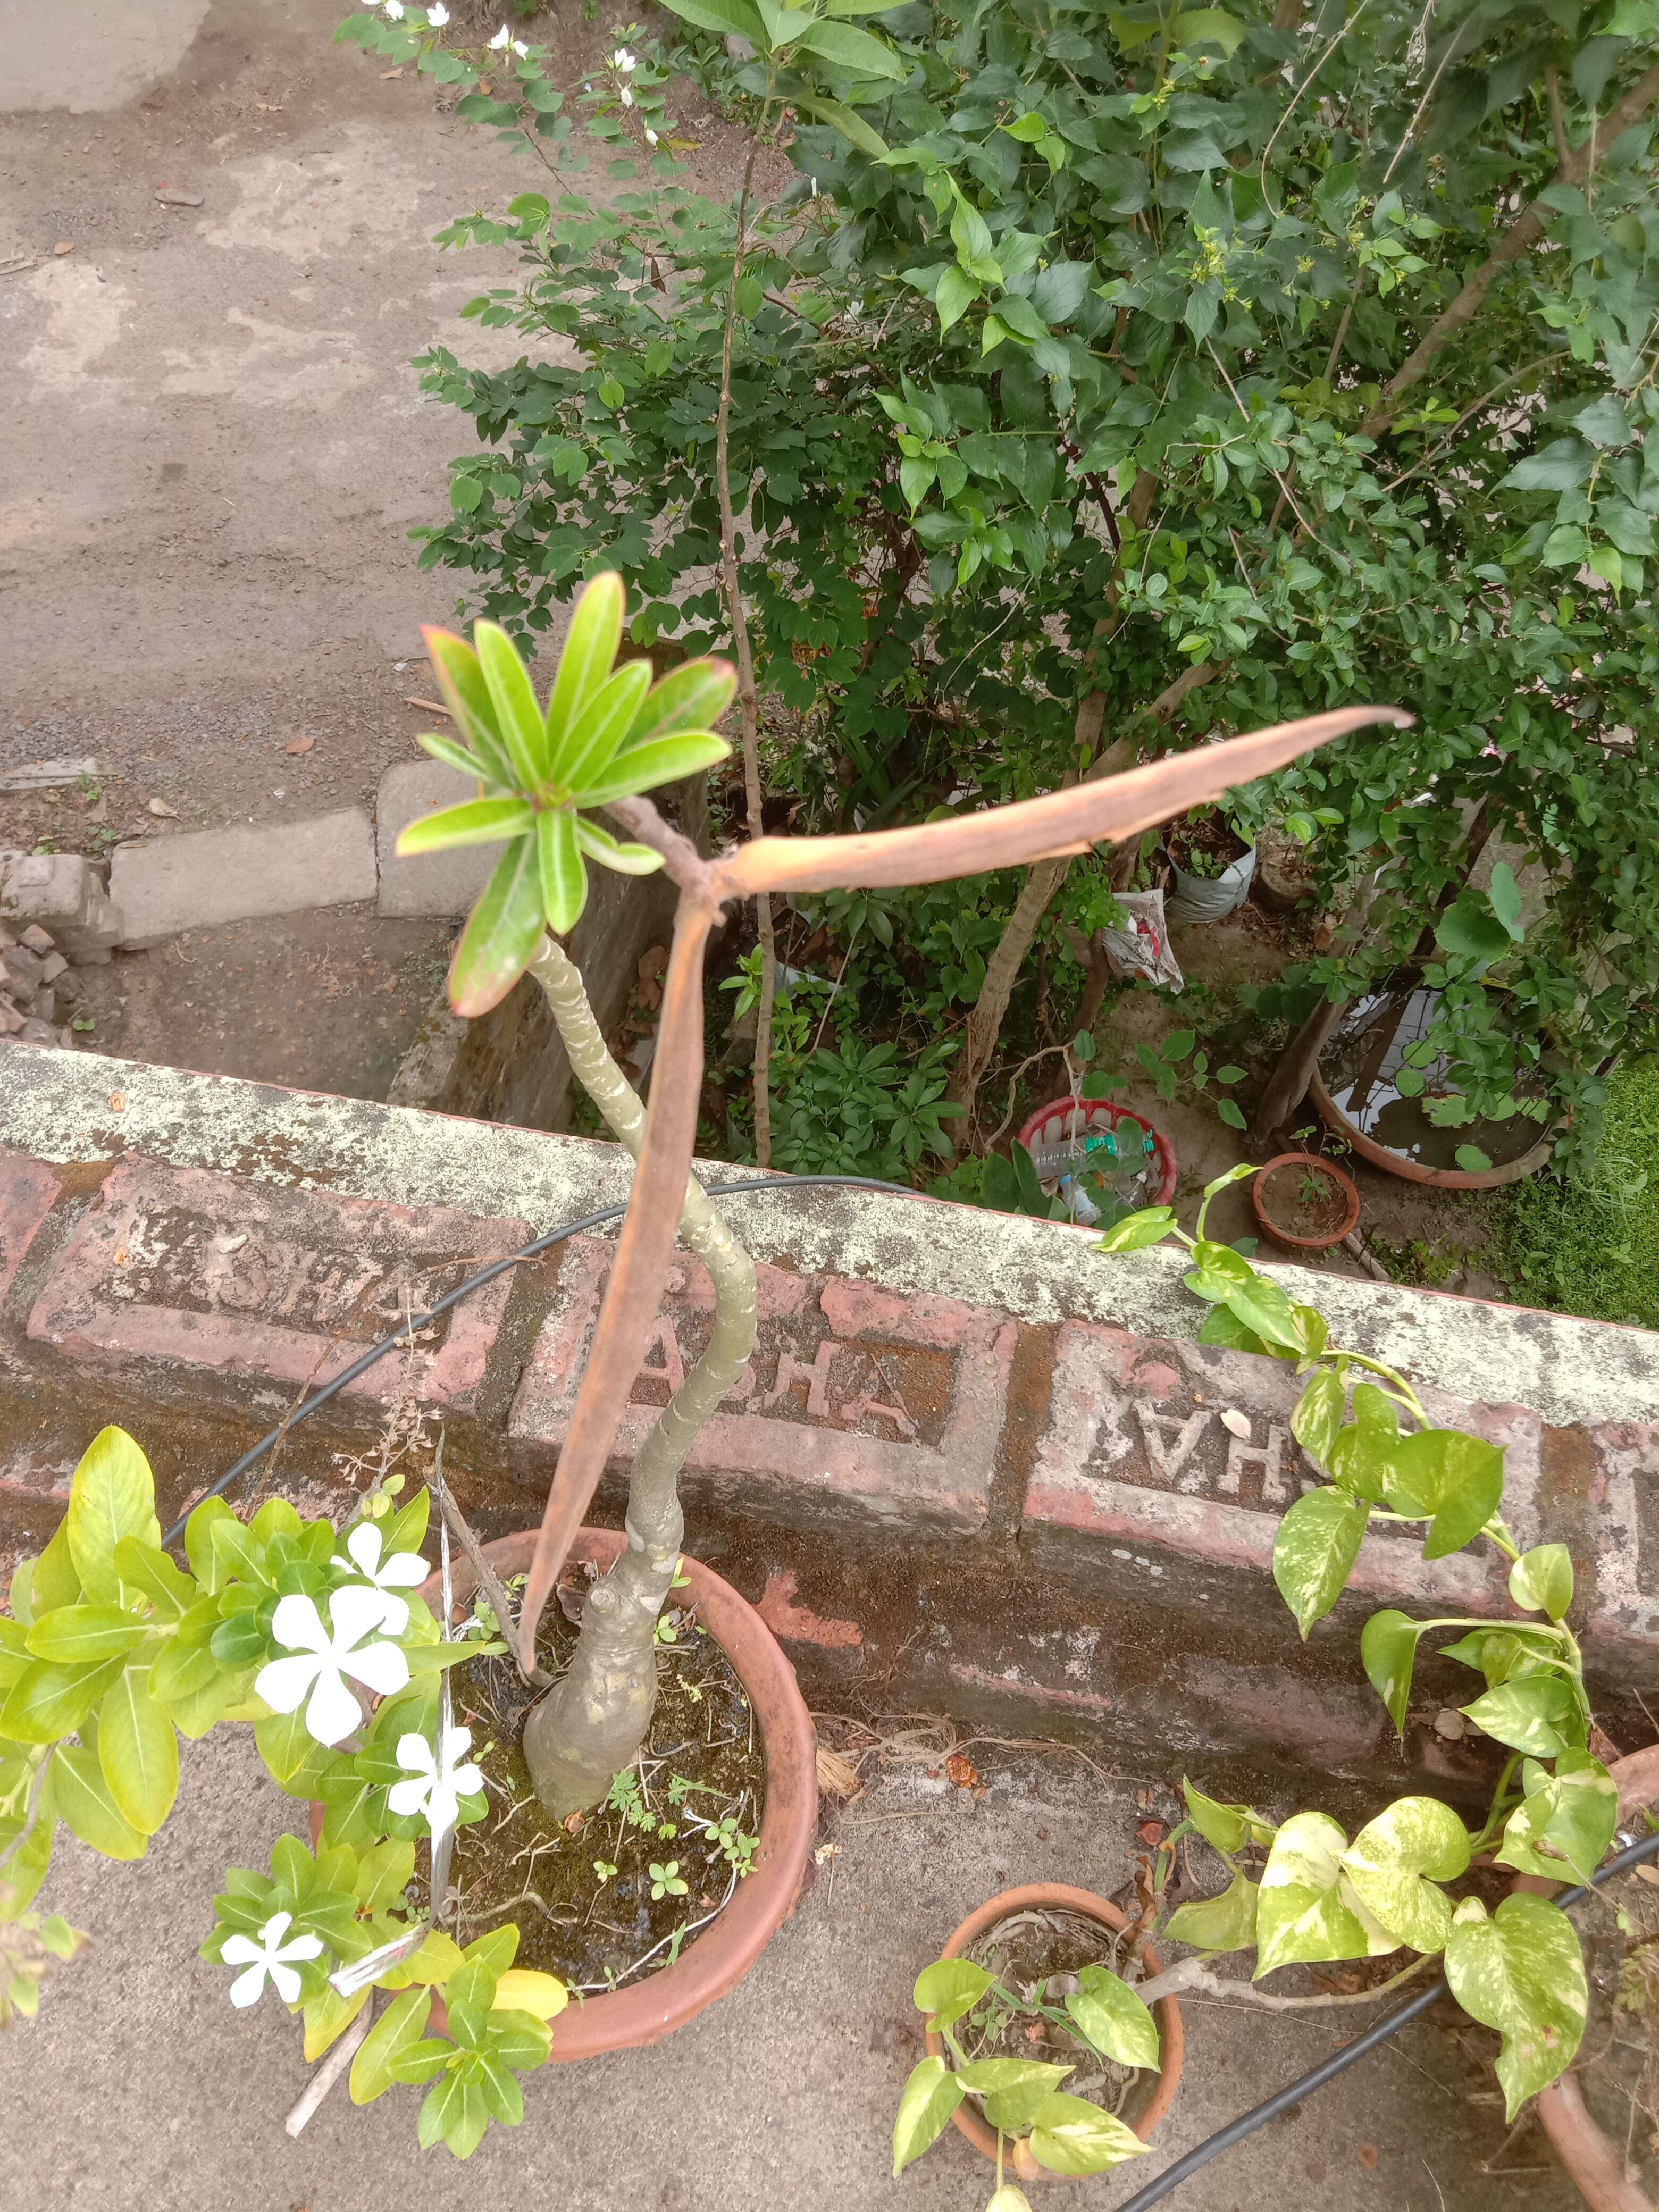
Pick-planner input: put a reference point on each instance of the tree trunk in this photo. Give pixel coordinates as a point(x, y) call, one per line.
point(592, 1724)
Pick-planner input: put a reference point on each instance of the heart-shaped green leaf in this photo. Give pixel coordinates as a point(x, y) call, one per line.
point(930, 2095)
point(949, 1987)
point(1314, 1552)
point(1305, 1909)
point(1395, 1860)
point(1388, 1646)
point(1226, 1923)
point(1566, 1820)
point(1541, 1580)
point(1521, 1972)
point(1113, 2018)
point(1071, 2136)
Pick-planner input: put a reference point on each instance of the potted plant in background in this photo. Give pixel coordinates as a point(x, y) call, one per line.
point(1304, 1201)
point(1213, 867)
point(324, 1639)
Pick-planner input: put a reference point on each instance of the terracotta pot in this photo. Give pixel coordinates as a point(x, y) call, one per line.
point(1594, 2162)
point(1153, 2100)
point(717, 1960)
point(1396, 1163)
point(1309, 1162)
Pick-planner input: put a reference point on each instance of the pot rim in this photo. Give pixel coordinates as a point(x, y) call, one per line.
point(714, 1962)
point(1594, 2160)
point(1344, 1181)
point(1166, 2010)
point(1396, 1163)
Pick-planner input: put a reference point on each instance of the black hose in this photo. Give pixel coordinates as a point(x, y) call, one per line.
point(406, 1330)
point(1248, 2123)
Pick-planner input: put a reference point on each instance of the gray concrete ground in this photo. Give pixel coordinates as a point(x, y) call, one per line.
point(139, 2085)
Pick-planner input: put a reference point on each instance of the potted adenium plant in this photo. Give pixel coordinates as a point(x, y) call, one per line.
point(325, 1639)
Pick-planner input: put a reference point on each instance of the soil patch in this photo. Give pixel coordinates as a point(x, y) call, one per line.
point(1206, 846)
point(596, 1902)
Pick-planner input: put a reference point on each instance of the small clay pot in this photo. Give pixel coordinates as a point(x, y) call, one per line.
point(717, 1960)
point(1304, 1164)
point(1594, 2162)
point(1153, 2098)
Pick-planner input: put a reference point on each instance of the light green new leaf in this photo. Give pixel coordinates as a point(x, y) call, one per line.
point(1303, 1908)
point(1395, 1860)
point(1566, 1820)
point(1388, 1646)
point(49, 1700)
point(970, 234)
point(1541, 1580)
point(1221, 1328)
point(949, 1987)
point(1315, 1550)
point(1226, 1923)
point(138, 1752)
point(563, 879)
point(82, 1797)
point(146, 1568)
point(1113, 2018)
point(660, 760)
point(1071, 2136)
point(1538, 1714)
point(474, 822)
point(1318, 1415)
point(1211, 26)
point(855, 51)
point(327, 2016)
point(626, 859)
point(54, 1581)
point(112, 1495)
point(851, 124)
point(588, 657)
point(930, 2095)
point(1521, 1972)
point(454, 755)
point(731, 18)
point(461, 681)
point(692, 696)
point(1013, 2088)
point(524, 733)
point(502, 931)
point(1229, 1827)
point(1136, 1230)
point(1456, 1477)
point(1263, 1307)
point(586, 745)
point(79, 1634)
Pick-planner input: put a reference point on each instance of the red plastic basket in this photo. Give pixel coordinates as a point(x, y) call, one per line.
point(1054, 1121)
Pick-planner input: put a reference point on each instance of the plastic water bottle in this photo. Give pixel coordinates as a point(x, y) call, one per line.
point(1078, 1204)
point(1096, 1148)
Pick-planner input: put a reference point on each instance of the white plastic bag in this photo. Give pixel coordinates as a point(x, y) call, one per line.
point(1141, 945)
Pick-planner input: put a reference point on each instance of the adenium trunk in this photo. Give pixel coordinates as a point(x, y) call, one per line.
point(592, 1722)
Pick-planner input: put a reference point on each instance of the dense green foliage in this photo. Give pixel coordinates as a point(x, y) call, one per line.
point(1589, 1244)
point(1116, 352)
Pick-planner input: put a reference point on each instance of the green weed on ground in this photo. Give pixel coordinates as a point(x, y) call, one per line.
point(1592, 1246)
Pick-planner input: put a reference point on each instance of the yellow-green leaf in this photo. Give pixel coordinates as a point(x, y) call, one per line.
point(138, 1752)
point(589, 654)
point(402, 2023)
point(112, 1495)
point(82, 1798)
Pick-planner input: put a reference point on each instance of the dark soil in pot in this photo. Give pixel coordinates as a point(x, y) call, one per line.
point(1207, 847)
point(1307, 1201)
point(1038, 1954)
point(702, 1765)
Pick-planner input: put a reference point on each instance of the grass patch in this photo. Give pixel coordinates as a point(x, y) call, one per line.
point(1591, 1246)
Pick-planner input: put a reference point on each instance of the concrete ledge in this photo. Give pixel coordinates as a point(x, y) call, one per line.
point(970, 1466)
point(212, 876)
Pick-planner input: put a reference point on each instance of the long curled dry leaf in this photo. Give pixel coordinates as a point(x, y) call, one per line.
point(999, 837)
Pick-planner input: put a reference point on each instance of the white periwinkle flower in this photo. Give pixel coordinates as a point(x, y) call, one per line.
point(395, 10)
point(650, 136)
point(500, 40)
point(437, 15)
point(325, 1655)
point(400, 1570)
point(270, 1955)
point(624, 60)
point(435, 1787)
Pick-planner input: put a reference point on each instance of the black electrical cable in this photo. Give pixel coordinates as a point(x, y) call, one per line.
point(405, 1332)
point(1248, 2123)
